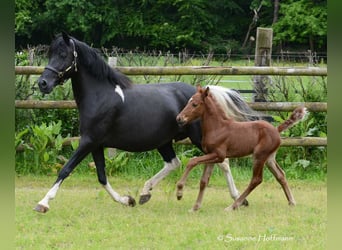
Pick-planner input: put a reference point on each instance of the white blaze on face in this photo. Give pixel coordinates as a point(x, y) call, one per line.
point(119, 91)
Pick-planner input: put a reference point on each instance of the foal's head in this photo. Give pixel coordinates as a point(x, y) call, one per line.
point(194, 108)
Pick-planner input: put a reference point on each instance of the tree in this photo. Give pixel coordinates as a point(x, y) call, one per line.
point(196, 25)
point(303, 21)
point(23, 17)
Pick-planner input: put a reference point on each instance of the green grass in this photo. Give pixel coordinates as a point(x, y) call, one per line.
point(84, 217)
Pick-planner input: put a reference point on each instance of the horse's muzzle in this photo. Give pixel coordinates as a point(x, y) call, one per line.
point(43, 86)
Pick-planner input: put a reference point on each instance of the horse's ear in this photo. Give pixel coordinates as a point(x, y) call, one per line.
point(66, 37)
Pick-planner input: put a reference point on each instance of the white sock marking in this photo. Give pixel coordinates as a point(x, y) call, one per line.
point(51, 194)
point(116, 197)
point(168, 167)
point(234, 193)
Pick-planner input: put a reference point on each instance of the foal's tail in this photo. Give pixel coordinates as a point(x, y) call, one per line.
point(233, 104)
point(297, 115)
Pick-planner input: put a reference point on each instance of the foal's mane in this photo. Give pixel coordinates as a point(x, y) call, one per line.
point(91, 59)
point(215, 108)
point(233, 105)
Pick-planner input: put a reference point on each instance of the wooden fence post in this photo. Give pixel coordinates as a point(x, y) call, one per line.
point(263, 52)
point(112, 61)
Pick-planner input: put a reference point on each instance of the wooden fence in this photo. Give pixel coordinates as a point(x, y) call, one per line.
point(204, 70)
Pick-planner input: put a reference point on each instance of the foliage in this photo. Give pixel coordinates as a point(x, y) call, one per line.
point(302, 161)
point(301, 22)
point(196, 25)
point(44, 143)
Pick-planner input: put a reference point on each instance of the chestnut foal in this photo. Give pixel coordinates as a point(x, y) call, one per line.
point(223, 137)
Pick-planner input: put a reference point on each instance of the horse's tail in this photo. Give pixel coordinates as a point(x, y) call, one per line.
point(233, 104)
point(297, 115)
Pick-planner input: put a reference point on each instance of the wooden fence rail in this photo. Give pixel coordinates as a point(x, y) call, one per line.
point(201, 70)
point(285, 142)
point(261, 106)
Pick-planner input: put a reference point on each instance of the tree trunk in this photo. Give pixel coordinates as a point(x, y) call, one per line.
point(275, 11)
point(252, 25)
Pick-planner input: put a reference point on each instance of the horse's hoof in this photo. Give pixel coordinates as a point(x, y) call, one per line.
point(245, 203)
point(41, 209)
point(131, 201)
point(144, 198)
point(179, 196)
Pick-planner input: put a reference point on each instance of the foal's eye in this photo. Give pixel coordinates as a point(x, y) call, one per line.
point(194, 105)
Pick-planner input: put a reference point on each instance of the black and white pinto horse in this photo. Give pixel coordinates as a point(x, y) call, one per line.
point(115, 113)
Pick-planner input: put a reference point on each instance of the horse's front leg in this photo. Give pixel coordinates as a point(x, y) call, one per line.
point(98, 156)
point(82, 151)
point(208, 158)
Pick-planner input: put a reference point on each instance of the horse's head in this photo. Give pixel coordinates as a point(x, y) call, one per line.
point(62, 63)
point(194, 108)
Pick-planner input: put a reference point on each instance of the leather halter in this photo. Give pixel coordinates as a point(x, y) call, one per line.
point(61, 74)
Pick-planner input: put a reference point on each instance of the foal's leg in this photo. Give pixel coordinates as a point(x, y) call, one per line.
point(208, 158)
point(99, 159)
point(234, 192)
point(279, 174)
point(81, 152)
point(207, 171)
point(258, 167)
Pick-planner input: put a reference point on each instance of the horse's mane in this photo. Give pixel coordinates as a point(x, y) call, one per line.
point(91, 59)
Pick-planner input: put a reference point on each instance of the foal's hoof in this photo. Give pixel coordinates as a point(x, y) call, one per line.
point(229, 209)
point(144, 198)
point(245, 203)
point(41, 209)
point(179, 196)
point(131, 201)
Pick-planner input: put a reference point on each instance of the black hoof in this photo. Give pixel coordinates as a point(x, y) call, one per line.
point(41, 209)
point(131, 201)
point(179, 197)
point(144, 198)
point(245, 203)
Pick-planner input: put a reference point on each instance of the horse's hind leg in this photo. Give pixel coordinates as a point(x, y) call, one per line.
point(279, 174)
point(207, 171)
point(99, 159)
point(171, 162)
point(234, 192)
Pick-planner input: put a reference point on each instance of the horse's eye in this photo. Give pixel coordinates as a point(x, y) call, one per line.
point(194, 105)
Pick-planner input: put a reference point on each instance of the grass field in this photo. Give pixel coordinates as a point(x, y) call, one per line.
point(84, 217)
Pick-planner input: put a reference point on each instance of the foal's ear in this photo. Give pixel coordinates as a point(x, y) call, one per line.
point(199, 88)
point(206, 92)
point(66, 37)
